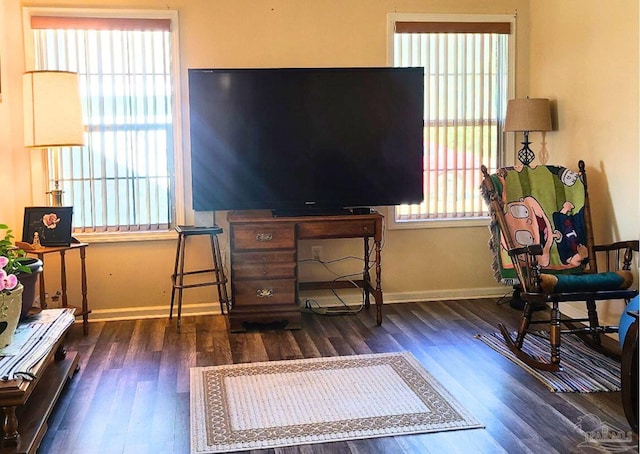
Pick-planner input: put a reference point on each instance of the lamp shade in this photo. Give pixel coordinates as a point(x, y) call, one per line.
point(530, 114)
point(52, 109)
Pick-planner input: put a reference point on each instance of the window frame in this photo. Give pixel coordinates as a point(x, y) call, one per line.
point(38, 159)
point(508, 139)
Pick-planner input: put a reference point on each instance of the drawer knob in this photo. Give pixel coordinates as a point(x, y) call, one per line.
point(264, 236)
point(264, 292)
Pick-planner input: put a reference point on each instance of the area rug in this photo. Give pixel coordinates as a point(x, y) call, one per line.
point(584, 370)
point(284, 403)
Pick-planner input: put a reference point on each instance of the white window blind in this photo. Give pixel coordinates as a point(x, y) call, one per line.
point(466, 69)
point(121, 180)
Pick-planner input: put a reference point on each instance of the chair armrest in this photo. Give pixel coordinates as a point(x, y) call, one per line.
point(622, 251)
point(634, 245)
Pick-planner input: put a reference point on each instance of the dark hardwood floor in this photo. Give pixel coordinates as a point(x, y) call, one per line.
point(131, 394)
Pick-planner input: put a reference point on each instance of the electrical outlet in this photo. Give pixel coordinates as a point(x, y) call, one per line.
point(316, 253)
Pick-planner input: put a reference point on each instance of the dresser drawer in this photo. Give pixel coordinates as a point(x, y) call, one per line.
point(263, 264)
point(264, 291)
point(264, 270)
point(263, 236)
point(356, 228)
point(264, 257)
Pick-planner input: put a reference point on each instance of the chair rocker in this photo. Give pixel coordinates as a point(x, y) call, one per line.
point(543, 244)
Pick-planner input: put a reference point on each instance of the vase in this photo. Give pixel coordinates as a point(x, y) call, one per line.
point(29, 282)
point(10, 308)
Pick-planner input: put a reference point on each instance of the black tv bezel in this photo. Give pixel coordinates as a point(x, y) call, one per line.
point(300, 205)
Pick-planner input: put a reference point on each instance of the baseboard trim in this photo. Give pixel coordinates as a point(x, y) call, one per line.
point(211, 308)
point(442, 295)
point(206, 308)
point(143, 312)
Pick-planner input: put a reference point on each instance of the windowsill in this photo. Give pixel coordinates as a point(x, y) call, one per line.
point(392, 224)
point(122, 237)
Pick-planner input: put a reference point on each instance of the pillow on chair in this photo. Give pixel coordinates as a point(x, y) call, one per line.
point(569, 283)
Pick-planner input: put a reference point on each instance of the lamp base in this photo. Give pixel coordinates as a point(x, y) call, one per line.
point(56, 196)
point(526, 155)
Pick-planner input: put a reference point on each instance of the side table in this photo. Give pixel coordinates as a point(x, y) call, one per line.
point(264, 269)
point(62, 250)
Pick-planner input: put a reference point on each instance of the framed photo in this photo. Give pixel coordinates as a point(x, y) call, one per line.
point(48, 226)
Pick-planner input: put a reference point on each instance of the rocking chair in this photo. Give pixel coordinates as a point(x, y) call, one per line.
point(543, 244)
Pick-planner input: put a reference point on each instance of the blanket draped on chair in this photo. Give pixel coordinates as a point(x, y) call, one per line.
point(553, 219)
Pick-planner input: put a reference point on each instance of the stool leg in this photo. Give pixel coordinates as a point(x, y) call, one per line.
point(174, 276)
point(181, 279)
point(220, 276)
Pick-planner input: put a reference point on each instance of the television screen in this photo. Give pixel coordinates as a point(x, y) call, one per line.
point(305, 138)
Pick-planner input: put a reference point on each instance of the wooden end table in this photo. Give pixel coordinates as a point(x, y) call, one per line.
point(26, 404)
point(62, 250)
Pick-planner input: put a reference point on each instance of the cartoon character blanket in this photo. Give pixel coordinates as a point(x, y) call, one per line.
point(542, 205)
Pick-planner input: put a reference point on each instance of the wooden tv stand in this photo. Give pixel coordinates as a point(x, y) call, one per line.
point(264, 269)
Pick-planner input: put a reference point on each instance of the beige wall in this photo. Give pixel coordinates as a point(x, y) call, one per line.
point(584, 57)
point(428, 263)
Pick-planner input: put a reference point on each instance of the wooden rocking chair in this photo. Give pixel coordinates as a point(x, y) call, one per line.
point(543, 243)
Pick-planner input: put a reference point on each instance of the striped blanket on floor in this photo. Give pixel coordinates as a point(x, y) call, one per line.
point(583, 369)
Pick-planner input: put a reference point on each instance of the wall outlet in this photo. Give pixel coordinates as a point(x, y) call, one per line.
point(316, 253)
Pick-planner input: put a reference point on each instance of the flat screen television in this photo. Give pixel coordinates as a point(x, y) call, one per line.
point(306, 140)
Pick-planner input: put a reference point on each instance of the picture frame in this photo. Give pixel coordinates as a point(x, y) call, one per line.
point(52, 225)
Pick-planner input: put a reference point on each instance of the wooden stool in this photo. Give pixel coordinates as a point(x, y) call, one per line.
point(178, 275)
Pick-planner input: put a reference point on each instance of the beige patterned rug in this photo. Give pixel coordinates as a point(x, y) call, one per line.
point(284, 403)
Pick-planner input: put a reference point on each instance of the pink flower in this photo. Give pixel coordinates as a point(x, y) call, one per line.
point(7, 281)
point(3, 261)
point(50, 220)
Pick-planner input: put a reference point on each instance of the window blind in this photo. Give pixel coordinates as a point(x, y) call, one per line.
point(453, 27)
point(99, 23)
point(466, 69)
point(121, 179)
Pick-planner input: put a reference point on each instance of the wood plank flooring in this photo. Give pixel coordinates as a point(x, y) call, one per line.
point(131, 394)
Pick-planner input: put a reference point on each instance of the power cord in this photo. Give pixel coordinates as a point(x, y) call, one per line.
point(308, 304)
point(504, 299)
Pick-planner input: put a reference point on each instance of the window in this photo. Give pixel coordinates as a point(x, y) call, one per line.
point(122, 179)
point(466, 68)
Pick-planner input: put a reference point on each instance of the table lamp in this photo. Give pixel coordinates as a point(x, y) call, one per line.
point(52, 116)
point(530, 114)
